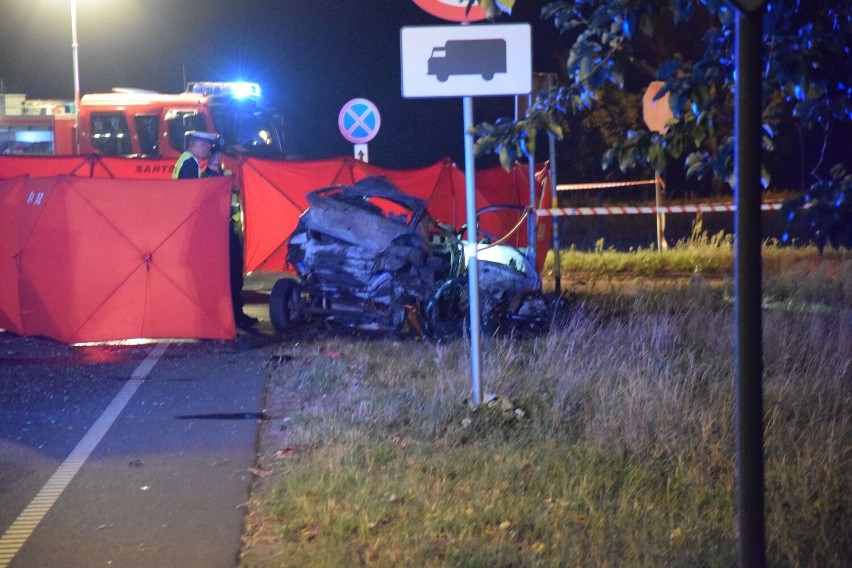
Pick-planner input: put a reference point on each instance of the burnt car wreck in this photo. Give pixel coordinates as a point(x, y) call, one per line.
point(369, 256)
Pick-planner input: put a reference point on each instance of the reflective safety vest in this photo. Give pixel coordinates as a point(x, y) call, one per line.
point(192, 167)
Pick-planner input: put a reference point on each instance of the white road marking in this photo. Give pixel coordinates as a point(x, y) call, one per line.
point(20, 530)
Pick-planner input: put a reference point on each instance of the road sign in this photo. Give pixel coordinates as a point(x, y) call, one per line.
point(359, 121)
point(452, 10)
point(462, 61)
point(656, 112)
point(361, 152)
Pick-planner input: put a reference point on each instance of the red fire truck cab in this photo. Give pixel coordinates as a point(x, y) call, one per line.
point(134, 122)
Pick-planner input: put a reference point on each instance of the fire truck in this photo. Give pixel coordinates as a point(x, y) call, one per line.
point(35, 126)
point(139, 123)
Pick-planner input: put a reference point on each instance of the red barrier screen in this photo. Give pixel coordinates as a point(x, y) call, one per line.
point(95, 259)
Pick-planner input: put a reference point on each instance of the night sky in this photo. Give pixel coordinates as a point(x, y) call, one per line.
point(310, 57)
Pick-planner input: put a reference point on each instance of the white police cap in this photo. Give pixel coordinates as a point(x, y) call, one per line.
point(201, 135)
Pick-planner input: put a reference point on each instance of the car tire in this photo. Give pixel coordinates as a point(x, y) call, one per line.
point(285, 305)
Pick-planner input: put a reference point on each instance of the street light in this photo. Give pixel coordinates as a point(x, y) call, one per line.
point(74, 53)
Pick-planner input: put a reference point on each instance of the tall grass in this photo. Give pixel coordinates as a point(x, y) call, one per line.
point(795, 276)
point(609, 442)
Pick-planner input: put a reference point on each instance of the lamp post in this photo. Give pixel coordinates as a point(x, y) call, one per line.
point(75, 54)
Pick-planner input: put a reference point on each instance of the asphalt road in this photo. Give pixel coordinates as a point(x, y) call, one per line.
point(164, 481)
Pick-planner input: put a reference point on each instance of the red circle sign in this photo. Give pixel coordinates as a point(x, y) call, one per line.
point(453, 10)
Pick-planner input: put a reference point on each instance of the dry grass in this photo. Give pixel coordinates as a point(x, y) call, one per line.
point(610, 442)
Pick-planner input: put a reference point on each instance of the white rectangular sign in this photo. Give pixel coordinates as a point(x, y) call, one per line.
point(362, 152)
point(466, 61)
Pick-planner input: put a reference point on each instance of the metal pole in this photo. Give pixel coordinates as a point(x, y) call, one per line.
point(554, 200)
point(747, 302)
point(661, 217)
point(472, 262)
point(74, 53)
point(531, 219)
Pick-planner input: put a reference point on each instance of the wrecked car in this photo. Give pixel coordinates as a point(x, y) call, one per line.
point(369, 256)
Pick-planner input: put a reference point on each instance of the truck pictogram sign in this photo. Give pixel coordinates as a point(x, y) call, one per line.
point(484, 57)
point(461, 61)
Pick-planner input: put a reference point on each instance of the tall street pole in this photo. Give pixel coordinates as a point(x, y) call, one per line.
point(76, 56)
point(747, 282)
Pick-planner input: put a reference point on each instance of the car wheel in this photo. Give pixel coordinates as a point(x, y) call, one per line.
point(285, 305)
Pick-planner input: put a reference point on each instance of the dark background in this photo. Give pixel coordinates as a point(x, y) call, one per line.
point(310, 58)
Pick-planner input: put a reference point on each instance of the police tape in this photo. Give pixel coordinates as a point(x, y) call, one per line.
point(645, 210)
point(601, 185)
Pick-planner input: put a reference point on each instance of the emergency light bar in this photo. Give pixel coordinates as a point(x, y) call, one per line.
point(236, 89)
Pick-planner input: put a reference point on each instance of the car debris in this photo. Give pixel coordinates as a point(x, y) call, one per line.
point(368, 256)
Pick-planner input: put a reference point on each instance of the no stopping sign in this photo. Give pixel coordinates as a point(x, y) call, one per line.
point(359, 121)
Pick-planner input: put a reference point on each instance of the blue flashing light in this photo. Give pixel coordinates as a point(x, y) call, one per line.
point(235, 89)
point(242, 90)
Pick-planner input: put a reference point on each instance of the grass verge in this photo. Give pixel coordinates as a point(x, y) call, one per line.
point(609, 441)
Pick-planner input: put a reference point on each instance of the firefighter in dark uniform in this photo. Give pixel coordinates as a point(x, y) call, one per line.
point(188, 165)
point(235, 243)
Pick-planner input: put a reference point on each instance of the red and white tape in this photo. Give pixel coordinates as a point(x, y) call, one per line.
point(645, 210)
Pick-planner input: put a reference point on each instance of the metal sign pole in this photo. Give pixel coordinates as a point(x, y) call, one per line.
point(661, 216)
point(531, 219)
point(472, 261)
point(554, 200)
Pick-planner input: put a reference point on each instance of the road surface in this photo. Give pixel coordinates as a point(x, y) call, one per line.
point(127, 455)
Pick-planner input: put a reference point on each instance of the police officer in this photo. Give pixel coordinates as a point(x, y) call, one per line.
point(215, 168)
point(188, 164)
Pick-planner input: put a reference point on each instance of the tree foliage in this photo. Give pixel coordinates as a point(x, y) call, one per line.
point(689, 45)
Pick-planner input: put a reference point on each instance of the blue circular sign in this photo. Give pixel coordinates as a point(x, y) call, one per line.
point(359, 121)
